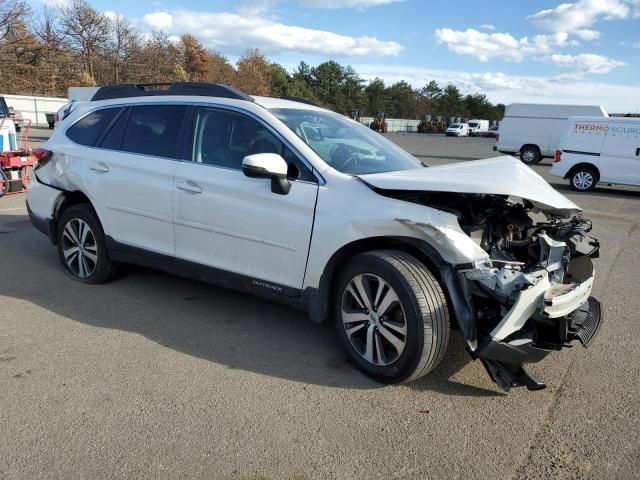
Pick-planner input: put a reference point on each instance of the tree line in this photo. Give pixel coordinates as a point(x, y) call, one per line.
point(46, 51)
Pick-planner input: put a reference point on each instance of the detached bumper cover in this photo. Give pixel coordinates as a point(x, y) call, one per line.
point(505, 361)
point(543, 318)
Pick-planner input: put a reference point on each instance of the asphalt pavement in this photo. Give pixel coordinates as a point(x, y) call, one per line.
point(153, 376)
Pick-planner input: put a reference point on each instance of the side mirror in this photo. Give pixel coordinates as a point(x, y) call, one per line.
point(268, 165)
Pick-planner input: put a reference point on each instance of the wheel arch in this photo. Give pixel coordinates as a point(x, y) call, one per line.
point(64, 201)
point(583, 165)
point(530, 145)
point(319, 300)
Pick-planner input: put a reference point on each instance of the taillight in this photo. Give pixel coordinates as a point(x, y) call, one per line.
point(558, 156)
point(42, 155)
point(56, 118)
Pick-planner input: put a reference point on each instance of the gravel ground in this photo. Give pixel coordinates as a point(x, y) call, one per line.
point(153, 376)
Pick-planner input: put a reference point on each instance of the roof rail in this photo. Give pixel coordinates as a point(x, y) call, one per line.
point(126, 90)
point(300, 100)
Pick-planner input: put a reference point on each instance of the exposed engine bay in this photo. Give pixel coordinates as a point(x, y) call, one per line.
point(532, 296)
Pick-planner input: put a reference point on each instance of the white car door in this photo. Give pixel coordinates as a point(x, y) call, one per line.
point(226, 220)
point(619, 160)
point(129, 175)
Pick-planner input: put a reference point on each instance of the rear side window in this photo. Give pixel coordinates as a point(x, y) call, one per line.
point(154, 130)
point(87, 130)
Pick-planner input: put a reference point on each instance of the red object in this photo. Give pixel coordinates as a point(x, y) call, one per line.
point(41, 154)
point(558, 156)
point(17, 165)
point(424, 410)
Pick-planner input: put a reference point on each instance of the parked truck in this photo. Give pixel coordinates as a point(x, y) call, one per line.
point(478, 128)
point(533, 130)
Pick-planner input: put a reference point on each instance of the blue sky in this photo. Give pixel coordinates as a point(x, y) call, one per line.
point(583, 51)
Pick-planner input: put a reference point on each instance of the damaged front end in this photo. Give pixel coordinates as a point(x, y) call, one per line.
point(532, 295)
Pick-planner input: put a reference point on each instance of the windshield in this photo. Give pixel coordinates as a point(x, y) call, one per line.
point(346, 146)
point(455, 125)
point(473, 124)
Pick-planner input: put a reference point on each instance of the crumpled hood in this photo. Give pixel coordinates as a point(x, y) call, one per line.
point(504, 175)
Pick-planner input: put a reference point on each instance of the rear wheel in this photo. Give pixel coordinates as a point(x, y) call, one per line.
point(583, 179)
point(81, 246)
point(391, 315)
point(530, 154)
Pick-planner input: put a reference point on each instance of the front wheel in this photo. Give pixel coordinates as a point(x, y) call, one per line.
point(391, 315)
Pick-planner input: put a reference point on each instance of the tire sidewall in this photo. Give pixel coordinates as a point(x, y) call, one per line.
point(405, 365)
point(86, 214)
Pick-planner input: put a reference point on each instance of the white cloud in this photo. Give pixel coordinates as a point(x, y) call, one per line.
point(572, 17)
point(587, 34)
point(585, 62)
point(484, 46)
point(487, 26)
point(347, 3)
point(158, 20)
point(503, 88)
point(635, 44)
point(233, 33)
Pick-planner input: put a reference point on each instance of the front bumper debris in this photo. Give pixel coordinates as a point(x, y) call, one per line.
point(504, 360)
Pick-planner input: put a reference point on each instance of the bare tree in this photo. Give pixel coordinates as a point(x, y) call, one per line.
point(11, 12)
point(122, 43)
point(52, 47)
point(87, 31)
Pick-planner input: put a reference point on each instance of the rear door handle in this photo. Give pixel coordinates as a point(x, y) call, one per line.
point(188, 187)
point(99, 167)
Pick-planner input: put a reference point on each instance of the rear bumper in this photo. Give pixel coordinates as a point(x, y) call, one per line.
point(43, 225)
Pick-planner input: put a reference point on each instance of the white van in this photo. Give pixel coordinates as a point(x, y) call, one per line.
point(533, 130)
point(478, 128)
point(595, 149)
point(457, 130)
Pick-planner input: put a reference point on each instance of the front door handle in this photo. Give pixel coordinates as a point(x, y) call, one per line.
point(99, 167)
point(188, 187)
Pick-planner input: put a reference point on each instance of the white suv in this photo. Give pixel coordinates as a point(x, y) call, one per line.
point(287, 200)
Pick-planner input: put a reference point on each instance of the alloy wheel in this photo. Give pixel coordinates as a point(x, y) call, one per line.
point(373, 319)
point(79, 248)
point(528, 156)
point(583, 180)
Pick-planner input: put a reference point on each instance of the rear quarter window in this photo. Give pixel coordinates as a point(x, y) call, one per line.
point(89, 128)
point(154, 130)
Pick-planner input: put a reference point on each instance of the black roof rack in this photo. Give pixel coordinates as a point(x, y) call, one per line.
point(125, 90)
point(300, 100)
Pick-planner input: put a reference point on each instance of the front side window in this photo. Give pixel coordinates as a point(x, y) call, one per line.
point(345, 145)
point(87, 130)
point(154, 130)
point(223, 138)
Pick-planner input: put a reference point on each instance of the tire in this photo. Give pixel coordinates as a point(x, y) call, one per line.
point(96, 267)
point(413, 303)
point(530, 154)
point(583, 179)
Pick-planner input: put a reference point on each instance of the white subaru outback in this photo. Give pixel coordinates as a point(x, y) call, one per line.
point(287, 200)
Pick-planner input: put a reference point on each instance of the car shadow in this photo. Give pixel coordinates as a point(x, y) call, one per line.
point(229, 328)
